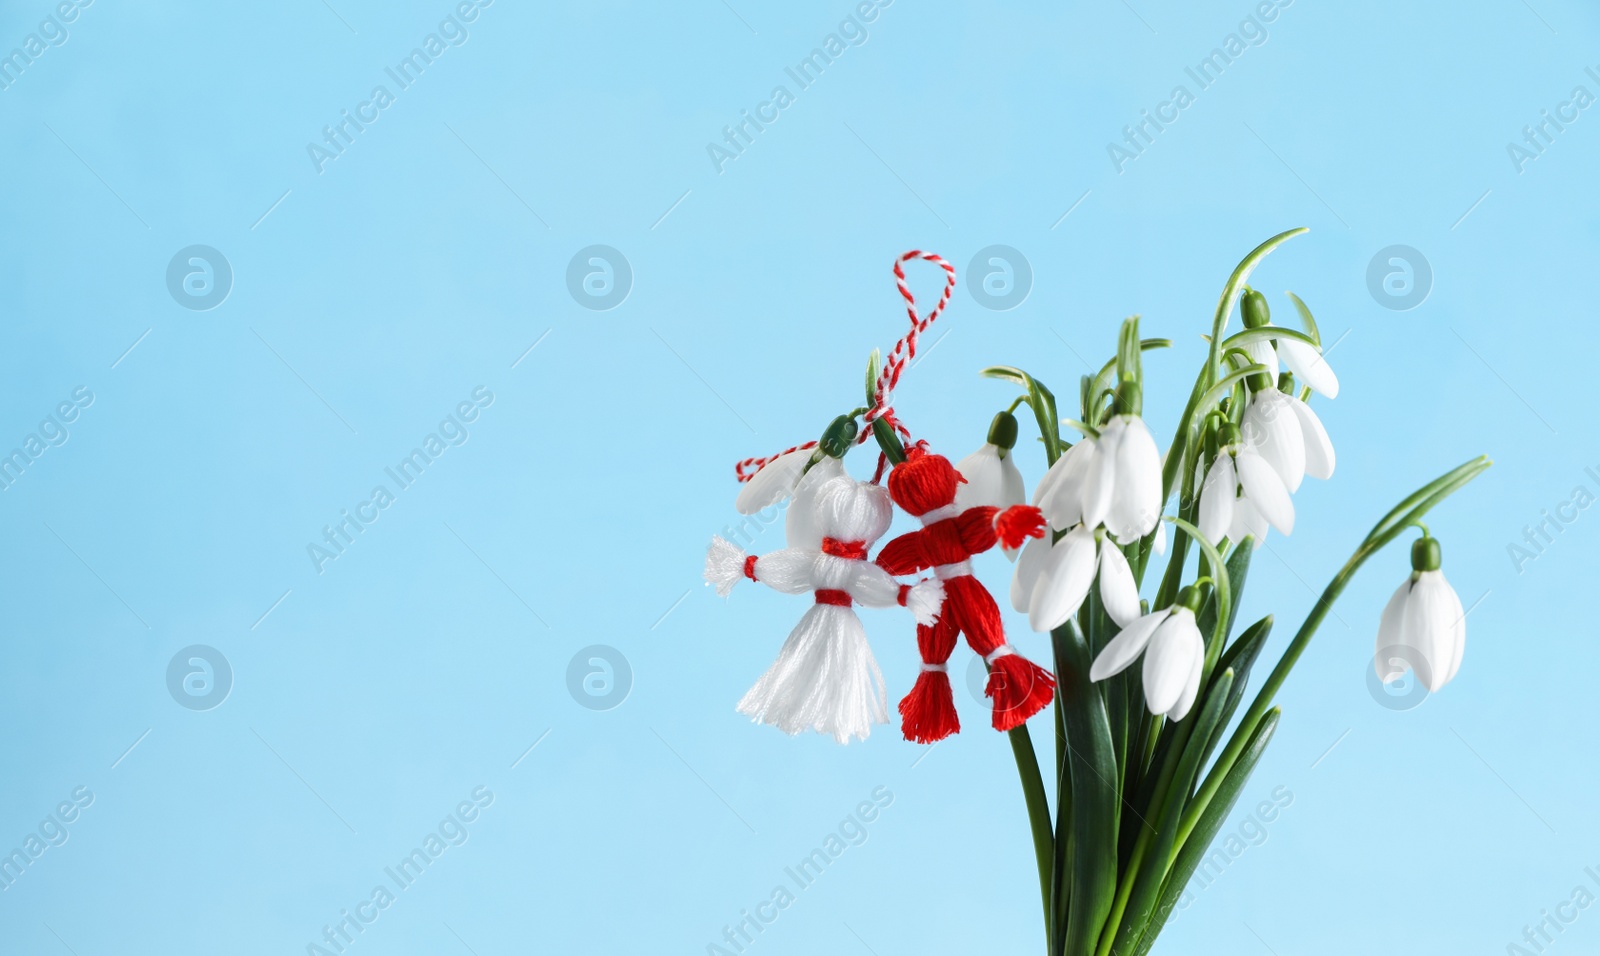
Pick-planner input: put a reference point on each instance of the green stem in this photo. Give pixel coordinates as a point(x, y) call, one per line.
point(1044, 845)
point(1385, 531)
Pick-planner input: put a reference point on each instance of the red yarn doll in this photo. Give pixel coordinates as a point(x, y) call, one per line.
point(924, 486)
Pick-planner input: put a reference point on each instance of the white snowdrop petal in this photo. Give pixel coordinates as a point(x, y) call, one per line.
point(773, 483)
point(1459, 632)
point(984, 483)
point(1271, 427)
point(1126, 647)
point(1262, 353)
point(1247, 521)
point(1265, 490)
point(1167, 661)
point(1013, 491)
point(1319, 448)
point(1390, 657)
point(1063, 582)
point(1060, 493)
point(1216, 499)
point(1118, 590)
point(1136, 500)
point(1308, 366)
point(1431, 615)
point(1099, 480)
point(1191, 688)
point(1159, 546)
point(1027, 574)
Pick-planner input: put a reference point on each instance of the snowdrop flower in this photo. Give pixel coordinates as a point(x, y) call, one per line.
point(1289, 435)
point(774, 482)
point(1242, 494)
point(1052, 581)
point(1305, 361)
point(1060, 491)
point(1174, 654)
point(990, 474)
point(1423, 626)
point(799, 473)
point(1123, 487)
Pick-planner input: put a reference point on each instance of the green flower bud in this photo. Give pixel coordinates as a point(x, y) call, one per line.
point(1003, 431)
point(1425, 555)
point(1189, 597)
point(836, 440)
point(1228, 434)
point(1253, 309)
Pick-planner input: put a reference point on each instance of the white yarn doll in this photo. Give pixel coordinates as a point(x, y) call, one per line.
point(825, 678)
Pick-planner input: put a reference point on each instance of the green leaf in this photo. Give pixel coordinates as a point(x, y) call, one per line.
point(1040, 400)
point(1194, 848)
point(1102, 379)
point(1239, 658)
point(1238, 568)
point(1153, 871)
point(1239, 340)
point(1307, 320)
point(887, 439)
point(1241, 274)
point(1091, 833)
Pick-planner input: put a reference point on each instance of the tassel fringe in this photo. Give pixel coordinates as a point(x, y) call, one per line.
point(925, 599)
point(724, 564)
point(1019, 689)
point(928, 713)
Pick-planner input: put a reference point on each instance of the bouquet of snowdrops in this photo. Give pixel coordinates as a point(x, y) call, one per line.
point(1146, 772)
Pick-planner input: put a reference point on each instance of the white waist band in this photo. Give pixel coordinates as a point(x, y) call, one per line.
point(945, 572)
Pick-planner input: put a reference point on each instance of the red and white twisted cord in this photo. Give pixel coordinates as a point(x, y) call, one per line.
point(894, 365)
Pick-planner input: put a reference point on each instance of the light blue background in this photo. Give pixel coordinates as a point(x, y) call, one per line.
point(420, 264)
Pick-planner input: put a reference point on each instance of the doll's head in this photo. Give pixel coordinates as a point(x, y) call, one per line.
point(923, 482)
point(851, 510)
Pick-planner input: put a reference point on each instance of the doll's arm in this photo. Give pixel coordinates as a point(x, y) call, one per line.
point(982, 527)
point(791, 570)
point(871, 586)
point(903, 555)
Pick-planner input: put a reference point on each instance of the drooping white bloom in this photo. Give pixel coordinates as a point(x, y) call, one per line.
point(1119, 592)
point(1272, 428)
point(1308, 365)
point(1303, 359)
point(1122, 488)
point(1289, 435)
point(1052, 581)
point(992, 480)
point(1242, 494)
point(773, 483)
point(1062, 580)
point(1060, 491)
point(1423, 627)
point(1174, 655)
